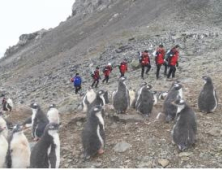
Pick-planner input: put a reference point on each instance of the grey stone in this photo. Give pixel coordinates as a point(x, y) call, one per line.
point(163, 162)
point(122, 147)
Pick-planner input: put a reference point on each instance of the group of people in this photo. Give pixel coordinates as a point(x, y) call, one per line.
point(169, 59)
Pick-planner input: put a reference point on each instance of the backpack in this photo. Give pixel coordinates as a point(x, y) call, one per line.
point(123, 67)
point(169, 54)
point(77, 81)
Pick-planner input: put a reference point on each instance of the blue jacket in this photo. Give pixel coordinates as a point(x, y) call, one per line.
point(77, 81)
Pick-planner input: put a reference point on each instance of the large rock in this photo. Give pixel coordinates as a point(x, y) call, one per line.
point(121, 147)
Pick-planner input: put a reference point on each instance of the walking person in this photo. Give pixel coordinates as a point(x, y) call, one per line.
point(123, 68)
point(173, 61)
point(77, 81)
point(159, 59)
point(145, 62)
point(96, 78)
point(106, 71)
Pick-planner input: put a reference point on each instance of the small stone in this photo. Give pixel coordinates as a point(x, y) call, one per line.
point(79, 123)
point(185, 158)
point(144, 165)
point(185, 154)
point(163, 162)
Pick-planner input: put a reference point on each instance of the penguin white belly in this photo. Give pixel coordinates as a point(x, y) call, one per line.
point(20, 154)
point(3, 150)
point(56, 141)
point(214, 94)
point(84, 104)
point(155, 99)
point(53, 116)
point(132, 96)
point(99, 136)
point(181, 93)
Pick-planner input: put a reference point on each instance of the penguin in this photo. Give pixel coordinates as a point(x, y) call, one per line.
point(53, 114)
point(93, 134)
point(132, 95)
point(39, 121)
point(3, 148)
point(101, 99)
point(88, 98)
point(3, 125)
point(19, 151)
point(121, 99)
point(155, 98)
point(207, 100)
point(185, 129)
point(169, 109)
point(145, 100)
point(46, 152)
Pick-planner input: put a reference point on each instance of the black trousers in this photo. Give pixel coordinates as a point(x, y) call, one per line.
point(158, 66)
point(171, 71)
point(106, 79)
point(95, 82)
point(121, 74)
point(77, 88)
point(165, 68)
point(147, 70)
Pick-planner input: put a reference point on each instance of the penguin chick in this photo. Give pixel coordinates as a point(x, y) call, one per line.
point(185, 129)
point(19, 150)
point(46, 152)
point(53, 114)
point(93, 134)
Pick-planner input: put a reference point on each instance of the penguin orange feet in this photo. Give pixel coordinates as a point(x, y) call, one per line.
point(100, 151)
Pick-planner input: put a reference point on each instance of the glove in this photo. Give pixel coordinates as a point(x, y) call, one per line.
point(177, 64)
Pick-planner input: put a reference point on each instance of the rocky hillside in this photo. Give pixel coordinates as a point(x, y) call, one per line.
point(39, 69)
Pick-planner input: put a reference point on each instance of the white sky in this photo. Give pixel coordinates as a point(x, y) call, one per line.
point(26, 16)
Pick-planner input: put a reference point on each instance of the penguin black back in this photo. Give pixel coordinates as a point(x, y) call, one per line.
point(207, 100)
point(45, 152)
point(121, 99)
point(185, 128)
point(93, 134)
point(169, 109)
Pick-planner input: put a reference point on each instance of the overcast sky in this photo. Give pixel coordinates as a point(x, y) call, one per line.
point(26, 16)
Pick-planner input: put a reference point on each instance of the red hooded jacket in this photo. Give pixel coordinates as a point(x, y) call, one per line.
point(145, 60)
point(107, 70)
point(123, 67)
point(96, 75)
point(174, 59)
point(160, 56)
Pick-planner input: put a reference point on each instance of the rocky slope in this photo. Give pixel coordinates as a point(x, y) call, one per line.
point(109, 31)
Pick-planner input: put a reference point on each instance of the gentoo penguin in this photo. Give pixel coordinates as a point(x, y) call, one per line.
point(145, 100)
point(19, 150)
point(3, 148)
point(169, 109)
point(7, 104)
point(39, 121)
point(53, 114)
point(207, 100)
point(132, 95)
point(101, 99)
point(121, 99)
point(88, 98)
point(3, 125)
point(185, 129)
point(93, 134)
point(46, 152)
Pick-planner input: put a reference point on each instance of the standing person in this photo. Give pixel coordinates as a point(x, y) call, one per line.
point(107, 70)
point(96, 77)
point(160, 53)
point(77, 81)
point(173, 61)
point(145, 62)
point(123, 68)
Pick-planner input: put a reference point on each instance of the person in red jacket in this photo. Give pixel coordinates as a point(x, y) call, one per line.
point(173, 61)
point(145, 62)
point(106, 71)
point(96, 78)
point(160, 53)
point(123, 68)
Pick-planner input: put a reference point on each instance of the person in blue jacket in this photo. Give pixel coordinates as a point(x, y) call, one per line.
point(77, 82)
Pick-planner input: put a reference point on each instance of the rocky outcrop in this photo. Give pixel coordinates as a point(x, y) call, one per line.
point(85, 7)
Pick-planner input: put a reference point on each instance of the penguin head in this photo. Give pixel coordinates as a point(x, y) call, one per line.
point(52, 128)
point(148, 87)
point(17, 129)
point(34, 106)
point(163, 95)
point(207, 79)
point(177, 86)
point(104, 96)
point(143, 84)
point(52, 106)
